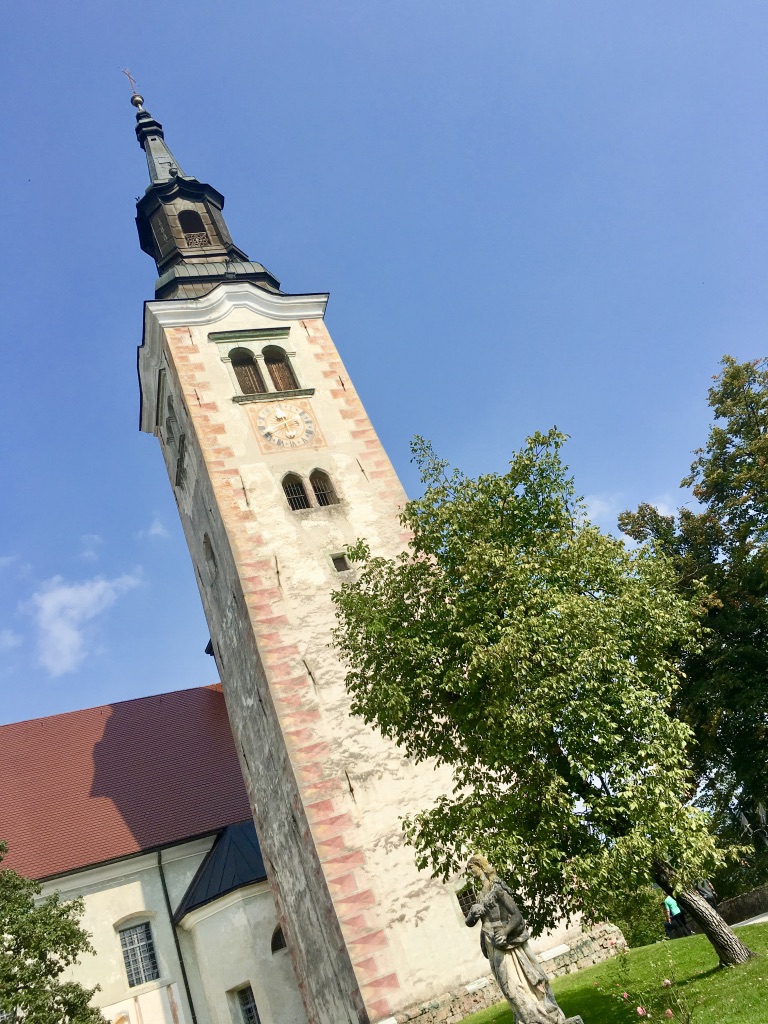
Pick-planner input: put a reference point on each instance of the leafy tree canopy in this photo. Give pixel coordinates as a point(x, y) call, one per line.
point(39, 939)
point(533, 655)
point(723, 546)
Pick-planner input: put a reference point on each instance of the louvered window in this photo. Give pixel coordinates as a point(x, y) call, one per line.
point(247, 372)
point(248, 1006)
point(139, 954)
point(295, 492)
point(171, 424)
point(181, 468)
point(280, 369)
point(323, 488)
point(191, 224)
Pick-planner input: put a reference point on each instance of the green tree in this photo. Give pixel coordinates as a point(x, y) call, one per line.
point(517, 644)
point(39, 939)
point(722, 546)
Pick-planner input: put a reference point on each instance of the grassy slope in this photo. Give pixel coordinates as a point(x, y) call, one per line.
point(734, 996)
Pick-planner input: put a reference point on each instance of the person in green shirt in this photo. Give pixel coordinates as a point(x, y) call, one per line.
point(675, 919)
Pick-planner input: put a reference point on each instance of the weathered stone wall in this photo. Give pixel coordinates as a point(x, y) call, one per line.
point(602, 942)
point(748, 904)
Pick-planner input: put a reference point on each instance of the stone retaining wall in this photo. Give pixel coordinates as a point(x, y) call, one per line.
point(602, 942)
point(741, 908)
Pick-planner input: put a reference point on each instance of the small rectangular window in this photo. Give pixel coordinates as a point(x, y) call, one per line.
point(466, 898)
point(340, 563)
point(248, 1006)
point(139, 954)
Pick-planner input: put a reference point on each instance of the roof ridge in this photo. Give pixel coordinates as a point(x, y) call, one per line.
point(215, 687)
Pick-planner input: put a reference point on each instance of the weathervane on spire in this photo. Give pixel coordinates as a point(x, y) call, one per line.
point(136, 99)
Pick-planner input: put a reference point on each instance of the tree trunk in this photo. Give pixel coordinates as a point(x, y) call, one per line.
point(726, 943)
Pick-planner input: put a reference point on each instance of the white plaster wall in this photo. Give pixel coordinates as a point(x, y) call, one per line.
point(125, 893)
point(232, 942)
point(225, 945)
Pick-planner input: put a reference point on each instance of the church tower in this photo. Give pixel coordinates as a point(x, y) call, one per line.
point(275, 467)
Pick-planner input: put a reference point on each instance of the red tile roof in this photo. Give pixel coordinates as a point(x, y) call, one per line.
point(95, 785)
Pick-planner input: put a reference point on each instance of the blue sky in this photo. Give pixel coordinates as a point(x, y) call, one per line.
point(526, 214)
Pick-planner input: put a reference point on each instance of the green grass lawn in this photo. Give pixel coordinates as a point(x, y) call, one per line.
point(737, 995)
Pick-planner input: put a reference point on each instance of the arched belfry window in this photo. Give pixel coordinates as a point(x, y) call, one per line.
point(295, 492)
point(323, 488)
point(278, 939)
point(191, 224)
point(247, 372)
point(279, 369)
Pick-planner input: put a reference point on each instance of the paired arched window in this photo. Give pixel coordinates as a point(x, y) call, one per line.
point(191, 224)
point(279, 369)
point(247, 372)
point(295, 492)
point(250, 377)
point(322, 488)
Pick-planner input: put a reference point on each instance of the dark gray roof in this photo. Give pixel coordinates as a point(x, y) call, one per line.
point(233, 861)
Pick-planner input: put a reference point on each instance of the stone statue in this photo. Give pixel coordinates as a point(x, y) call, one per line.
point(504, 941)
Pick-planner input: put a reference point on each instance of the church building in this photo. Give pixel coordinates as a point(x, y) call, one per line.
point(239, 847)
point(276, 467)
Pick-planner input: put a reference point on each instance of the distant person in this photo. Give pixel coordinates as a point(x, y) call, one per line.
point(675, 924)
point(706, 889)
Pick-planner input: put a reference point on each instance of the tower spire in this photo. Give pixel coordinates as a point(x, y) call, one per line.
point(161, 162)
point(181, 225)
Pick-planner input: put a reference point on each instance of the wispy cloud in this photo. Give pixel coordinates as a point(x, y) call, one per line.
point(89, 546)
point(155, 531)
point(8, 640)
point(603, 509)
point(62, 610)
point(6, 561)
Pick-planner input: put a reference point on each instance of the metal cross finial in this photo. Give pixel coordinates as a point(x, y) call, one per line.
point(130, 78)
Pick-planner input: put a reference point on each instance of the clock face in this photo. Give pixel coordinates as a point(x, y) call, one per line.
point(285, 425)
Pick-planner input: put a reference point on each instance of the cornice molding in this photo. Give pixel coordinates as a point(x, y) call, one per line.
point(226, 297)
point(230, 899)
point(125, 868)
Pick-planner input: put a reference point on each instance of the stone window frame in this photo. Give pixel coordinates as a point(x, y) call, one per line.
point(255, 342)
point(132, 924)
point(242, 1000)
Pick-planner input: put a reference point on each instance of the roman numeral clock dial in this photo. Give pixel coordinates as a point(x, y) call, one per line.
point(286, 425)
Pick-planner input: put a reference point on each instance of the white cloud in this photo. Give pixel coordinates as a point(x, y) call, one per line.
point(61, 611)
point(91, 542)
point(603, 509)
point(666, 505)
point(9, 639)
point(155, 530)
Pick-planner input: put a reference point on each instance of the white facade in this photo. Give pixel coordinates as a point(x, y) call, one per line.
point(225, 945)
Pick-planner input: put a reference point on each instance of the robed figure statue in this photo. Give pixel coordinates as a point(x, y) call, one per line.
point(504, 941)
